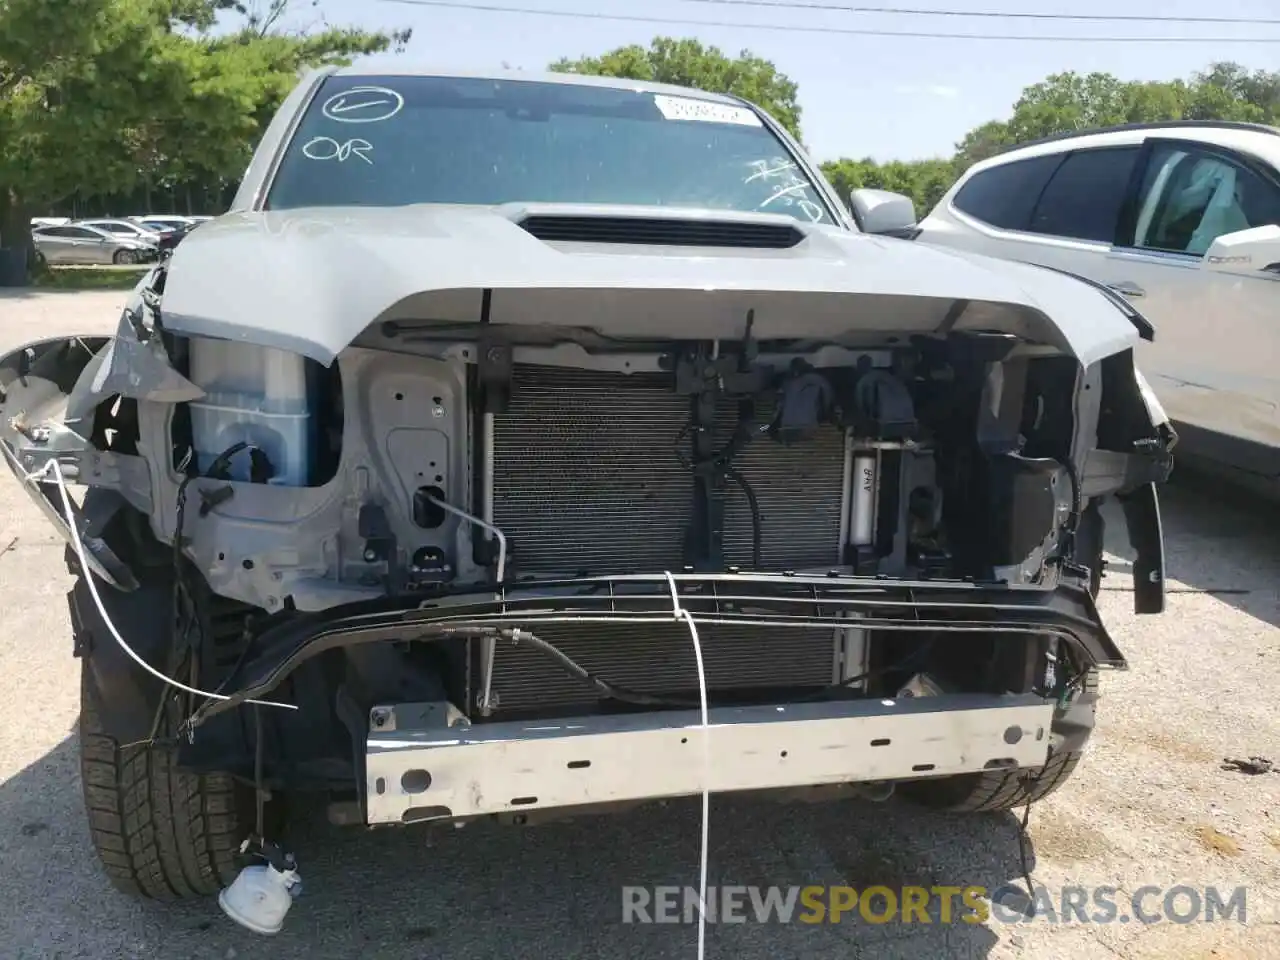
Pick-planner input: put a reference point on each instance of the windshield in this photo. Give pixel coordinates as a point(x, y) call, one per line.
point(390, 141)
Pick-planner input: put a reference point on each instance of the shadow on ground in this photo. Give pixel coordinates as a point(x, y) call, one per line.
point(1219, 539)
point(493, 891)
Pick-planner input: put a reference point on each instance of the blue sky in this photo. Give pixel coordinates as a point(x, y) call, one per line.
point(884, 97)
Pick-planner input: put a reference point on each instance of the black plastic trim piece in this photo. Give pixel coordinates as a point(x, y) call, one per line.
point(1146, 535)
point(1067, 612)
point(664, 231)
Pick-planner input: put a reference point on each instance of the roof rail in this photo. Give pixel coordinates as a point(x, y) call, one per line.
point(1155, 125)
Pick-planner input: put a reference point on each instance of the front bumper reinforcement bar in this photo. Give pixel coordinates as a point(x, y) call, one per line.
point(425, 761)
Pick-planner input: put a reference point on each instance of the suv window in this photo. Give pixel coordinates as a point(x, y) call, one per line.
point(1189, 198)
point(1005, 195)
point(1083, 199)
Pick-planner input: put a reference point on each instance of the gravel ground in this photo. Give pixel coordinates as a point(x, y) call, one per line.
point(1150, 805)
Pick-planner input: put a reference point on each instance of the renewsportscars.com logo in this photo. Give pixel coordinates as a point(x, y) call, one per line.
point(934, 905)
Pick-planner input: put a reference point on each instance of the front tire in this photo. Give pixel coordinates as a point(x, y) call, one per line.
point(995, 791)
point(160, 833)
point(123, 258)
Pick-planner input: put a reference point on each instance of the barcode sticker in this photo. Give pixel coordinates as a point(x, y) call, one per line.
point(686, 108)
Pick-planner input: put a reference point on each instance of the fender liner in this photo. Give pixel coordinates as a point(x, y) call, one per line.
point(124, 696)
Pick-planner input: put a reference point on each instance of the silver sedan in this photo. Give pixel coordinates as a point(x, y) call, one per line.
point(82, 244)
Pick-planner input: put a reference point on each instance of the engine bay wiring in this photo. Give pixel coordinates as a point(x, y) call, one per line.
point(77, 545)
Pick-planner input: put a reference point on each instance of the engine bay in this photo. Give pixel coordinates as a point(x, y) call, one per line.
point(508, 522)
point(943, 457)
point(470, 465)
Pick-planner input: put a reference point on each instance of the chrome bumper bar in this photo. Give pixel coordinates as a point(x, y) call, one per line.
point(425, 761)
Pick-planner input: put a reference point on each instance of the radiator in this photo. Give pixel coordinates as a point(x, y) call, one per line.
point(587, 481)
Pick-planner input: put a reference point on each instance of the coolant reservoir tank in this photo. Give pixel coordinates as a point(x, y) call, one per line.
point(255, 395)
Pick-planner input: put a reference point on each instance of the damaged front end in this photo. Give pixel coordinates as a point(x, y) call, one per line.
point(472, 545)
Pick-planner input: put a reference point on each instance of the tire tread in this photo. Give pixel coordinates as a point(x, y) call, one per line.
point(159, 833)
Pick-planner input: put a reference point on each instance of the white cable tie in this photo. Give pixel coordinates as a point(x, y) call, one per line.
point(682, 614)
point(77, 545)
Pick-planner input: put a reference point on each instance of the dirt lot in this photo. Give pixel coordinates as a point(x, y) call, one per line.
point(1150, 806)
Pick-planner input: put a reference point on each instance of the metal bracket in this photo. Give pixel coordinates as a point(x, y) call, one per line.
point(81, 644)
point(496, 366)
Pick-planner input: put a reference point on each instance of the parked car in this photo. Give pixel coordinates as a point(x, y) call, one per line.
point(172, 220)
point(163, 239)
point(78, 243)
point(163, 223)
point(1181, 219)
point(585, 376)
point(168, 229)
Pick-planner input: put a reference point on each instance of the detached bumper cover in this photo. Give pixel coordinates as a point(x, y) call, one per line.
point(426, 762)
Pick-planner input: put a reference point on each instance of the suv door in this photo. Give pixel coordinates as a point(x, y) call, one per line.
point(1218, 334)
point(89, 246)
point(53, 246)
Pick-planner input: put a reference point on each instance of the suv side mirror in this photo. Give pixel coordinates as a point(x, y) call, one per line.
point(883, 212)
point(1252, 251)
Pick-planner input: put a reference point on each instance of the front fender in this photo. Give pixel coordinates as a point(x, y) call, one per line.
point(51, 392)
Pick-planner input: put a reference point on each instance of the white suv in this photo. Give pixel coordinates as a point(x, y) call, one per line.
point(1183, 220)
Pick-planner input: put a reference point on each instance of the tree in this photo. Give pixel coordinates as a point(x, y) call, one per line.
point(98, 96)
point(688, 63)
point(983, 142)
point(924, 181)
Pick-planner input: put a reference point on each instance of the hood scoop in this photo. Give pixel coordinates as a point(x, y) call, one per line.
point(661, 231)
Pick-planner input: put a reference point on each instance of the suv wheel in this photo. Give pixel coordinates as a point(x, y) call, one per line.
point(159, 833)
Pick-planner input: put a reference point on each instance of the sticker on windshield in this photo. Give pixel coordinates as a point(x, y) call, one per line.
point(686, 108)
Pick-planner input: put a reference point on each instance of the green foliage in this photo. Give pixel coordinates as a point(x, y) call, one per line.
point(688, 63)
point(925, 181)
point(90, 278)
point(100, 96)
